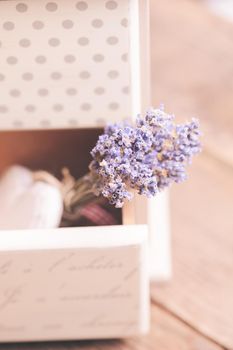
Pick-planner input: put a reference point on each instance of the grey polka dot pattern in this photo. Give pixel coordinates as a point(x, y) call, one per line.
point(124, 57)
point(40, 59)
point(8, 25)
point(45, 123)
point(114, 106)
point(3, 109)
point(112, 40)
point(67, 24)
point(71, 91)
point(38, 25)
point(27, 76)
point(21, 7)
point(125, 90)
point(100, 122)
point(98, 58)
point(51, 6)
point(12, 60)
point(58, 107)
point(30, 108)
point(124, 22)
point(81, 5)
point(15, 93)
point(17, 124)
point(99, 90)
point(111, 5)
point(85, 106)
point(73, 122)
point(113, 74)
point(54, 42)
point(97, 23)
point(84, 75)
point(83, 41)
point(24, 43)
point(64, 64)
point(56, 76)
point(69, 58)
point(43, 92)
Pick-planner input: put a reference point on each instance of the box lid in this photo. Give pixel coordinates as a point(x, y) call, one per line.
point(65, 63)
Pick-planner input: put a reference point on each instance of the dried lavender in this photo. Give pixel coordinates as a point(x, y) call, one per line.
point(146, 158)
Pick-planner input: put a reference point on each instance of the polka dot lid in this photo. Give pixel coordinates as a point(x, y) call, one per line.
point(64, 63)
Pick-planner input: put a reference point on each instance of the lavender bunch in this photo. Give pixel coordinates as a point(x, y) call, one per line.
point(147, 157)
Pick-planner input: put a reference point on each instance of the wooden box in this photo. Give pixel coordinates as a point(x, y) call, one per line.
point(66, 69)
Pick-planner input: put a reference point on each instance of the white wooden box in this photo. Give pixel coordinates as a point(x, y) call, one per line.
point(67, 68)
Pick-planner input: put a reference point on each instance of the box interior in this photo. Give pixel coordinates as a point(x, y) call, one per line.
point(51, 150)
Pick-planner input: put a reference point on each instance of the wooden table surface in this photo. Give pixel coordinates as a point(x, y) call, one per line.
point(192, 70)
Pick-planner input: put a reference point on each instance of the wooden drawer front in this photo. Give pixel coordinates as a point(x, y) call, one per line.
point(73, 283)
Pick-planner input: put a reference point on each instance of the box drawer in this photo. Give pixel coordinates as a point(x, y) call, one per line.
point(73, 283)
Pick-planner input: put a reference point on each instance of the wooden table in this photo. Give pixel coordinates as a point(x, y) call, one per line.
point(192, 61)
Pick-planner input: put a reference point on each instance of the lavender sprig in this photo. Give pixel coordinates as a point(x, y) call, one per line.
point(146, 158)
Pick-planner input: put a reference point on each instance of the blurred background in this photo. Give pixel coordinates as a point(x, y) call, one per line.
point(192, 74)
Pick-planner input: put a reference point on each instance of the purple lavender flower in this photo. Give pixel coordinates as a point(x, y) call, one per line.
point(147, 157)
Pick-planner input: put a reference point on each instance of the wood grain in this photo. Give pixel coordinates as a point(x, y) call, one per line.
point(167, 333)
point(192, 68)
point(202, 227)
